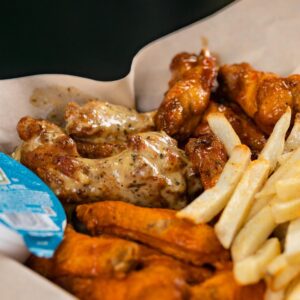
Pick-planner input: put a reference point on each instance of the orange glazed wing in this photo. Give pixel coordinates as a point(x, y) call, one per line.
point(222, 286)
point(158, 228)
point(152, 283)
point(188, 96)
point(263, 96)
point(85, 256)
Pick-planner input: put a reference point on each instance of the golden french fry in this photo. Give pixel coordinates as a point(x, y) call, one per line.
point(253, 234)
point(285, 211)
point(280, 273)
point(237, 209)
point(275, 144)
point(258, 205)
point(212, 201)
point(288, 170)
point(252, 269)
point(292, 242)
point(293, 140)
point(283, 158)
point(222, 128)
point(293, 290)
point(287, 189)
point(274, 295)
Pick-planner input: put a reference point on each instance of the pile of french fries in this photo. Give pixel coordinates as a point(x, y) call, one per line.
point(259, 206)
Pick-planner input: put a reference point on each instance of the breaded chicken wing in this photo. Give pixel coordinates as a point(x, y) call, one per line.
point(263, 96)
point(86, 256)
point(157, 228)
point(188, 96)
point(222, 286)
point(101, 128)
point(152, 171)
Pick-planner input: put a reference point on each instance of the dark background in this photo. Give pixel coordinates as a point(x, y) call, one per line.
point(95, 39)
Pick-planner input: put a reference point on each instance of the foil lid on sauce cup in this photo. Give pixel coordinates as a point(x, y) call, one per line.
point(31, 217)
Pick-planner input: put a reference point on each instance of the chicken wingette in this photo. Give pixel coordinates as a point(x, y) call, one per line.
point(188, 96)
point(152, 171)
point(101, 129)
point(263, 96)
point(157, 228)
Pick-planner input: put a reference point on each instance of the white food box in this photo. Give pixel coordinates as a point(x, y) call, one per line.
point(264, 33)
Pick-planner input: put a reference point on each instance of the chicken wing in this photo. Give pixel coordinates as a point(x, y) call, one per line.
point(151, 283)
point(263, 96)
point(207, 154)
point(186, 100)
point(85, 256)
point(222, 286)
point(152, 171)
point(101, 128)
point(157, 228)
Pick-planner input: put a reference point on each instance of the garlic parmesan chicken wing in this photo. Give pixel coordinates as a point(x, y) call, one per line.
point(188, 96)
point(152, 171)
point(263, 96)
point(157, 228)
point(101, 129)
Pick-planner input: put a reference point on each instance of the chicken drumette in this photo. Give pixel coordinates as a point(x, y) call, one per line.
point(152, 171)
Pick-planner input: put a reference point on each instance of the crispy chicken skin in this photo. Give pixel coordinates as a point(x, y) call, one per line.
point(187, 98)
point(207, 154)
point(152, 171)
point(222, 286)
point(101, 128)
point(85, 256)
point(263, 96)
point(158, 228)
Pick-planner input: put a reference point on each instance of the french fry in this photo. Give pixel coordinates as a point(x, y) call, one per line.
point(283, 158)
point(293, 291)
point(275, 144)
point(293, 140)
point(252, 269)
point(258, 205)
point(274, 295)
point(237, 209)
point(285, 211)
point(222, 128)
point(287, 189)
point(253, 234)
point(280, 273)
point(288, 170)
point(292, 242)
point(212, 201)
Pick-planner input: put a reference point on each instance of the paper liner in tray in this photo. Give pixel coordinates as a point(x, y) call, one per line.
point(264, 33)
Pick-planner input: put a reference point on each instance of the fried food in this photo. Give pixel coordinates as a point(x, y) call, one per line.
point(151, 283)
point(244, 126)
point(186, 100)
point(158, 228)
point(207, 155)
point(152, 171)
point(101, 129)
point(84, 256)
point(263, 96)
point(224, 287)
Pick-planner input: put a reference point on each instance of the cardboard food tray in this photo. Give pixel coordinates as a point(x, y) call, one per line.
point(261, 32)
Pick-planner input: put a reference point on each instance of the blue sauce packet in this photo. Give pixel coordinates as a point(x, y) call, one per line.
point(29, 207)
